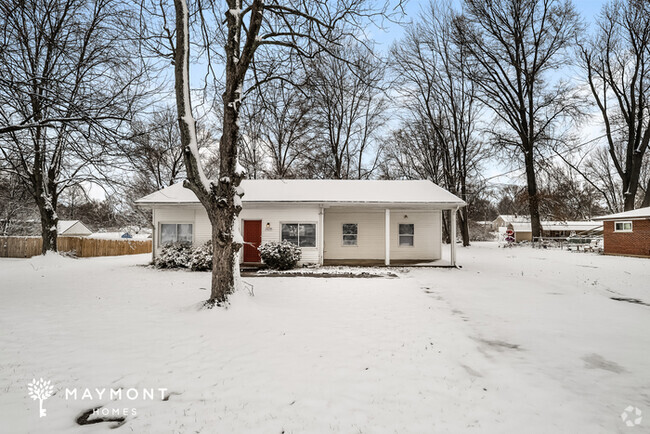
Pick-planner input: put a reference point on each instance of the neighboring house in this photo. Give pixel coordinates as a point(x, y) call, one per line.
point(570, 228)
point(550, 229)
point(503, 220)
point(627, 233)
point(522, 231)
point(333, 221)
point(72, 228)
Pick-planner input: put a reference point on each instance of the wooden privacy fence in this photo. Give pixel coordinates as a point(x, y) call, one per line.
point(26, 247)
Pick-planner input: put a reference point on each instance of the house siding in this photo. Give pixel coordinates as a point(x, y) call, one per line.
point(371, 242)
point(635, 243)
point(278, 215)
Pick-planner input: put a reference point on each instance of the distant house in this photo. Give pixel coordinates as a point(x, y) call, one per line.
point(72, 228)
point(503, 220)
point(627, 233)
point(522, 228)
point(332, 221)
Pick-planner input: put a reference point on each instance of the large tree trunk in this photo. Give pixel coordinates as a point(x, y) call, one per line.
point(646, 197)
point(631, 183)
point(49, 221)
point(222, 198)
point(533, 199)
point(48, 232)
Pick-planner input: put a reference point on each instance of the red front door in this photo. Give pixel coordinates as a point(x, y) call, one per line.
point(252, 240)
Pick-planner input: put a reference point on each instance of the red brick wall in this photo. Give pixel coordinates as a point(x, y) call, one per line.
point(636, 242)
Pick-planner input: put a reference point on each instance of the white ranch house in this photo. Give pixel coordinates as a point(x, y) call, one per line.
point(333, 221)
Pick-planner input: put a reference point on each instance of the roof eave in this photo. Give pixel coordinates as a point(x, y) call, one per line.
point(443, 205)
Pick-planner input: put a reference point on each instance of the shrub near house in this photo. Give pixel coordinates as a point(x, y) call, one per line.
point(183, 255)
point(280, 256)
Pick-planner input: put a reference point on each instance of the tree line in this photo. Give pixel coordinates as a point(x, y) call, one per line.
point(135, 96)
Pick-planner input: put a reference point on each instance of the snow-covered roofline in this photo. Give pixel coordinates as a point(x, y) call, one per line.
point(640, 213)
point(322, 191)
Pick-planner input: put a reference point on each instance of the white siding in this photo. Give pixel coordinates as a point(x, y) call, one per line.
point(427, 242)
point(278, 215)
point(371, 234)
point(180, 214)
point(371, 241)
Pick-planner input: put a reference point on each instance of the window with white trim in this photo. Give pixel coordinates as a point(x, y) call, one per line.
point(171, 233)
point(300, 234)
point(406, 234)
point(623, 226)
point(350, 234)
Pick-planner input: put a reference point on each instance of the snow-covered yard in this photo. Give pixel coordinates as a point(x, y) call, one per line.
point(518, 340)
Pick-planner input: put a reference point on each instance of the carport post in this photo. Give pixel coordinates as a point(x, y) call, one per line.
point(452, 231)
point(321, 235)
point(387, 255)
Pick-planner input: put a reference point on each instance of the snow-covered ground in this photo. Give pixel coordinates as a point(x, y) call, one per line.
point(518, 340)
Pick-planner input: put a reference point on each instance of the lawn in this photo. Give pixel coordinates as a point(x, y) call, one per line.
point(518, 340)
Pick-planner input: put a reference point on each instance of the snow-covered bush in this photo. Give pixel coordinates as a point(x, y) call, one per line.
point(280, 256)
point(174, 256)
point(201, 258)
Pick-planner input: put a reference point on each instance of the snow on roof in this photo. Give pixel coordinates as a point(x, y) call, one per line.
point(576, 226)
point(521, 227)
point(321, 191)
point(548, 225)
point(640, 213)
point(513, 218)
point(64, 226)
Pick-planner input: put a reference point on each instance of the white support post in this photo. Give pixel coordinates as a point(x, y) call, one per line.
point(154, 234)
point(452, 231)
point(387, 255)
point(321, 236)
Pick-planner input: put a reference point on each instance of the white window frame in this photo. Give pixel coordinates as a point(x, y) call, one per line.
point(404, 246)
point(623, 223)
point(160, 241)
point(316, 240)
point(356, 241)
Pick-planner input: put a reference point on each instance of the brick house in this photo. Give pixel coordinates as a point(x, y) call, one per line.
point(627, 233)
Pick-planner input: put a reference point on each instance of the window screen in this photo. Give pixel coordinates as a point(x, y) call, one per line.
point(406, 234)
point(350, 234)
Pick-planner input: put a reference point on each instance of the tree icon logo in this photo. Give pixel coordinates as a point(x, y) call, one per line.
point(632, 416)
point(41, 390)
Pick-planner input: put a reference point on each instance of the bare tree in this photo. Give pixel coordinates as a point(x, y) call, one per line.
point(16, 204)
point(441, 101)
point(252, 154)
point(348, 111)
point(515, 46)
point(249, 32)
point(286, 128)
point(67, 84)
point(617, 65)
